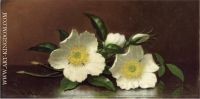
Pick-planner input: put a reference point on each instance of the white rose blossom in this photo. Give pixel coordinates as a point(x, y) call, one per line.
point(134, 69)
point(115, 38)
point(78, 57)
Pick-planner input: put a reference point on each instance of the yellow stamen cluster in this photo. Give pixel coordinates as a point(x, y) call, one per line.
point(131, 69)
point(77, 56)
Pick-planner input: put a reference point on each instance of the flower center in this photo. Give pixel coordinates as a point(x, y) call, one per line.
point(131, 69)
point(77, 56)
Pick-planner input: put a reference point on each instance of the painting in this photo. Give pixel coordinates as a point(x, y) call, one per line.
point(99, 49)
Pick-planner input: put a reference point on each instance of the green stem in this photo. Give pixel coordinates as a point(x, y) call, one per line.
point(39, 75)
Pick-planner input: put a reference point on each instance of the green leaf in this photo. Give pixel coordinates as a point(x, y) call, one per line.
point(101, 81)
point(99, 25)
point(63, 34)
point(176, 71)
point(44, 47)
point(159, 58)
point(66, 84)
point(161, 61)
point(161, 71)
point(113, 48)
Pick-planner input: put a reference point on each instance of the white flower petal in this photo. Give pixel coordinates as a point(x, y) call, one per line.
point(57, 58)
point(72, 40)
point(147, 80)
point(149, 63)
point(89, 41)
point(75, 73)
point(127, 84)
point(120, 58)
point(96, 64)
point(136, 52)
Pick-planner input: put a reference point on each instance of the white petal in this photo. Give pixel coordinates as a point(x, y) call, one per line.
point(58, 58)
point(72, 40)
point(89, 41)
point(75, 73)
point(148, 80)
point(127, 84)
point(149, 63)
point(119, 60)
point(96, 64)
point(136, 52)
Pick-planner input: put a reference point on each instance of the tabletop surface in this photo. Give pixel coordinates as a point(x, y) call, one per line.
point(23, 86)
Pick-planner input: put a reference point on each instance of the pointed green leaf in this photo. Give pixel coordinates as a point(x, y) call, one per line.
point(99, 25)
point(161, 71)
point(63, 34)
point(175, 71)
point(66, 84)
point(101, 81)
point(159, 58)
point(44, 47)
point(113, 48)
